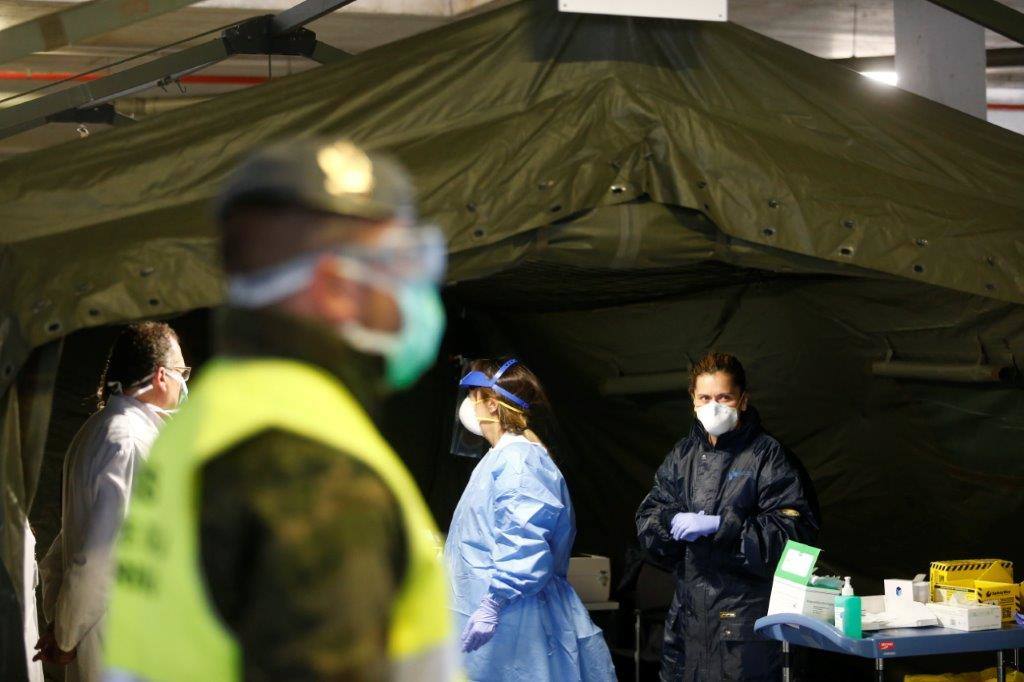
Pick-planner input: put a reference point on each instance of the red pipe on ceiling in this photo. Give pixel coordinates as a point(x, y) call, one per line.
point(198, 79)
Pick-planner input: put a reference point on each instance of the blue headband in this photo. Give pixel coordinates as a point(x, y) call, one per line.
point(478, 379)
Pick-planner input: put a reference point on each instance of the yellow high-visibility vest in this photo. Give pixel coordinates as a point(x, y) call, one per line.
point(160, 625)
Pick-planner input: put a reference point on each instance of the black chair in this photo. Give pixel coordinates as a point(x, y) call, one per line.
point(654, 590)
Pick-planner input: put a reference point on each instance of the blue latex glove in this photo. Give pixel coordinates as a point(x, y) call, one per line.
point(1020, 619)
point(481, 625)
point(688, 527)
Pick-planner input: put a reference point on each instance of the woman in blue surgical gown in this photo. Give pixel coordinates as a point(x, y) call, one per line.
point(509, 544)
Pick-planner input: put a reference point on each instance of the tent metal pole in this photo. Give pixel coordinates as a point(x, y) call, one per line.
point(305, 12)
point(160, 71)
point(993, 15)
point(995, 58)
point(922, 371)
point(271, 34)
point(325, 54)
point(77, 23)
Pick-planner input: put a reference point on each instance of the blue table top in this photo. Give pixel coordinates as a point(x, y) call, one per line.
point(897, 643)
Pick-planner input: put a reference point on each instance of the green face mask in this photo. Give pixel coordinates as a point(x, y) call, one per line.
point(409, 352)
point(423, 323)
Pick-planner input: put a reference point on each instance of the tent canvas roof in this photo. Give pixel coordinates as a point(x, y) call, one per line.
point(525, 116)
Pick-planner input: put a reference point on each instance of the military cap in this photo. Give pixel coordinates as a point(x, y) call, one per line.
point(334, 176)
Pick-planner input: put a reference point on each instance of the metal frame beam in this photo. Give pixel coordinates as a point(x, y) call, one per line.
point(164, 70)
point(991, 14)
point(254, 36)
point(995, 58)
point(305, 12)
point(77, 23)
point(326, 54)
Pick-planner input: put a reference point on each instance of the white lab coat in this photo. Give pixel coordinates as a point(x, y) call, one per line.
point(98, 472)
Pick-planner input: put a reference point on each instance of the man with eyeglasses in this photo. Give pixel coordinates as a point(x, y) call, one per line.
point(143, 384)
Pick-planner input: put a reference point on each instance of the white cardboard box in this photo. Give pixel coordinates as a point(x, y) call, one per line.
point(591, 576)
point(968, 617)
point(903, 593)
point(790, 597)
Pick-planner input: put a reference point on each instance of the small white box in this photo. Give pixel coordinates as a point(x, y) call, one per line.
point(968, 617)
point(591, 576)
point(901, 594)
point(790, 597)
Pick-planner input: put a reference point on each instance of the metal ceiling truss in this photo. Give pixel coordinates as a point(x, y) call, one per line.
point(282, 34)
point(999, 57)
point(77, 23)
point(995, 16)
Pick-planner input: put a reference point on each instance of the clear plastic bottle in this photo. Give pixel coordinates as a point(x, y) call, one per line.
point(848, 612)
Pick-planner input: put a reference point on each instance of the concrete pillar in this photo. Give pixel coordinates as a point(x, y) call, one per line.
point(940, 55)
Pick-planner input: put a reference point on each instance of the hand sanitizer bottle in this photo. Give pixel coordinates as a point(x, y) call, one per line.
point(848, 612)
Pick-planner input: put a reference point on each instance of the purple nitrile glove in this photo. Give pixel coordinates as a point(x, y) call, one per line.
point(688, 527)
point(481, 625)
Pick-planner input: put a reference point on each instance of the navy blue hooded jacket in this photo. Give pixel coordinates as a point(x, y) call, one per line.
point(724, 581)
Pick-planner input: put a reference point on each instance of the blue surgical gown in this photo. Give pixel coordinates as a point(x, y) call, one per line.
point(510, 539)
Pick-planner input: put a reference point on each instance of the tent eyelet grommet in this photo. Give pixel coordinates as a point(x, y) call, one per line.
point(849, 224)
point(701, 184)
point(918, 268)
point(478, 233)
point(556, 208)
point(768, 232)
point(921, 242)
point(471, 207)
point(846, 251)
point(53, 327)
point(94, 312)
point(154, 302)
point(147, 271)
point(547, 184)
point(773, 203)
point(617, 189)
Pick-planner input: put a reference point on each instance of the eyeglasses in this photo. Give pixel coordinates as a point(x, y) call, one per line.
point(185, 372)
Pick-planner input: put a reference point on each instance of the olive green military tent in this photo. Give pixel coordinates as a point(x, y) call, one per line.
point(619, 195)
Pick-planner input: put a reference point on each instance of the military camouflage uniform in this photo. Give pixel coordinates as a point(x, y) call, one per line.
point(302, 545)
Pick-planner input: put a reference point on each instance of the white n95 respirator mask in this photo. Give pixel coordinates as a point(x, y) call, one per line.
point(468, 418)
point(718, 418)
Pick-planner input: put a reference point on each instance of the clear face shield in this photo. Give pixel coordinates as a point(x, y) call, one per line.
point(467, 439)
point(408, 263)
point(403, 254)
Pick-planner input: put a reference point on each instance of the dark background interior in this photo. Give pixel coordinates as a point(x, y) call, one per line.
point(906, 472)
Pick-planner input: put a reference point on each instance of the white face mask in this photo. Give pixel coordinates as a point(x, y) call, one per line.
point(718, 418)
point(182, 394)
point(467, 415)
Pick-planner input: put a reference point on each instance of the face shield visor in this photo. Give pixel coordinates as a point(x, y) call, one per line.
point(403, 255)
point(465, 442)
